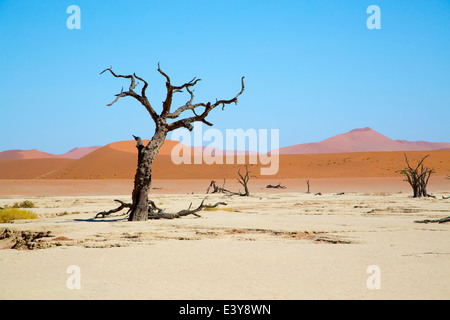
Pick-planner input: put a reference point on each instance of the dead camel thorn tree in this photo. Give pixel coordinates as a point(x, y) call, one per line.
point(418, 177)
point(243, 180)
point(140, 208)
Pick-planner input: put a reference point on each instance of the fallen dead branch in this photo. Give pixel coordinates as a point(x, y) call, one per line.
point(123, 205)
point(278, 186)
point(243, 180)
point(163, 215)
point(443, 220)
point(155, 212)
point(217, 189)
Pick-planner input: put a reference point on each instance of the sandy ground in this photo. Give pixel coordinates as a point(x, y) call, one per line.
point(272, 245)
point(44, 188)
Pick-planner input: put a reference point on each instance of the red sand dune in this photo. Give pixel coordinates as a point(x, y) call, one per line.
point(130, 146)
point(75, 153)
point(118, 161)
point(362, 140)
point(25, 154)
point(30, 168)
point(78, 153)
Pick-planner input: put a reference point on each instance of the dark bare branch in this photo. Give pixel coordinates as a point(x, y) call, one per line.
point(123, 205)
point(165, 75)
point(442, 220)
point(157, 213)
point(278, 186)
point(152, 207)
point(191, 83)
point(217, 189)
point(187, 106)
point(144, 88)
point(183, 213)
point(208, 107)
point(204, 121)
point(118, 96)
point(171, 89)
point(133, 81)
point(234, 100)
point(142, 99)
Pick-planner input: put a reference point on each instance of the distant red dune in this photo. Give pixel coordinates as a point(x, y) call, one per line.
point(362, 140)
point(110, 163)
point(78, 153)
point(24, 154)
point(30, 168)
point(371, 155)
point(75, 153)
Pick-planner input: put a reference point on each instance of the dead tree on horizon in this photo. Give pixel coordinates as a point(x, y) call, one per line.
point(418, 177)
point(243, 180)
point(140, 209)
point(216, 188)
point(278, 186)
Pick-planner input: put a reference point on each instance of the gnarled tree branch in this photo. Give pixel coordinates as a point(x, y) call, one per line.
point(208, 108)
point(157, 213)
point(123, 205)
point(142, 99)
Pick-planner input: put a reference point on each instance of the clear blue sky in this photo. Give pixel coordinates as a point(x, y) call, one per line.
point(313, 69)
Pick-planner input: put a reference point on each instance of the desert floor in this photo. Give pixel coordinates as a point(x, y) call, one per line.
point(275, 244)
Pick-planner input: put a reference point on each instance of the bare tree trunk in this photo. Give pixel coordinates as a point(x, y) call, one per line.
point(307, 183)
point(143, 177)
